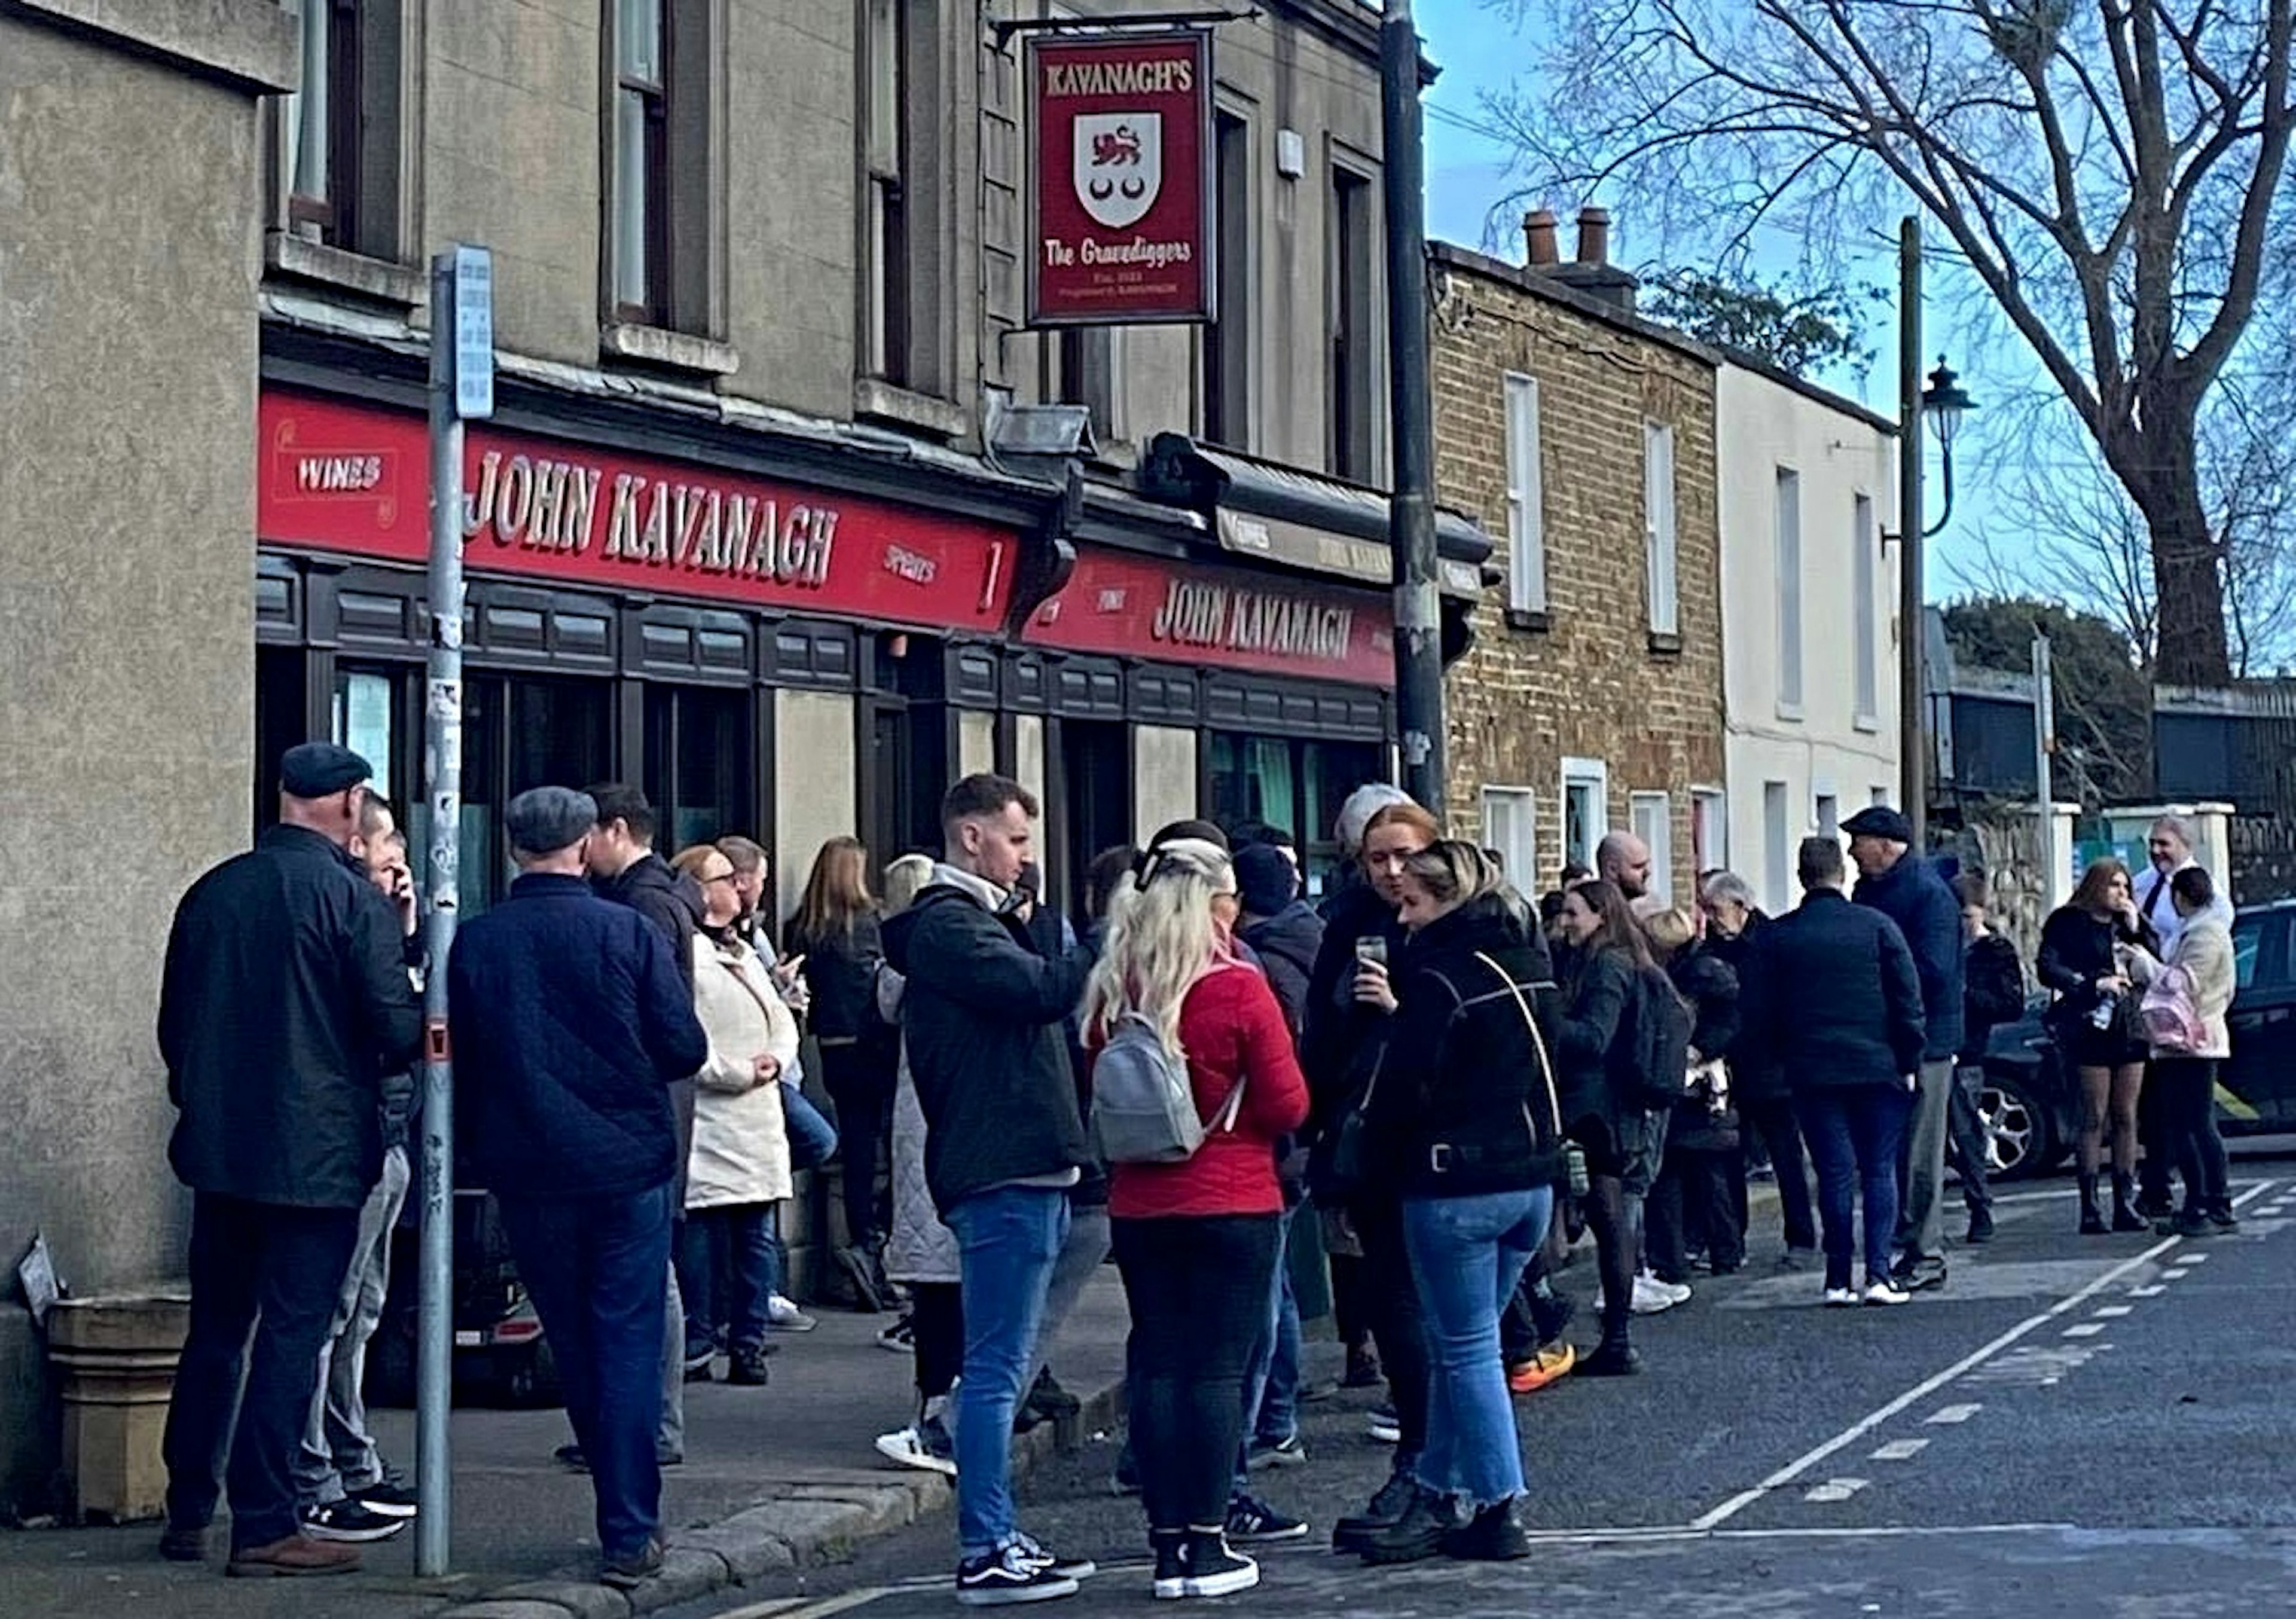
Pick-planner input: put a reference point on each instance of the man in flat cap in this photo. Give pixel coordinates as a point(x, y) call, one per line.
point(570, 1021)
point(1908, 889)
point(283, 1004)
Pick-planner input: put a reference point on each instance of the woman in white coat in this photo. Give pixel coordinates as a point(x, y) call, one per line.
point(2197, 981)
point(739, 1164)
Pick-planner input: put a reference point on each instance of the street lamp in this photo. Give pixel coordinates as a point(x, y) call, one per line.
point(1944, 403)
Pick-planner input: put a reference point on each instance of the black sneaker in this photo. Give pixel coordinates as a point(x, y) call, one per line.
point(633, 1569)
point(391, 1497)
point(700, 1372)
point(1287, 1452)
point(1612, 1358)
point(1363, 1370)
point(1007, 1576)
point(2155, 1205)
point(2190, 1223)
point(1171, 1576)
point(1386, 1508)
point(183, 1545)
point(1980, 1228)
point(2222, 1217)
point(1252, 1520)
point(348, 1522)
point(1068, 1569)
point(1919, 1275)
point(747, 1369)
point(1214, 1570)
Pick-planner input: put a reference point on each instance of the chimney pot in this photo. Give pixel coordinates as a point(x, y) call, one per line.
point(1593, 235)
point(1539, 230)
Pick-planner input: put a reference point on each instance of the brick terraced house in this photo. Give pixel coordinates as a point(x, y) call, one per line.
point(1582, 439)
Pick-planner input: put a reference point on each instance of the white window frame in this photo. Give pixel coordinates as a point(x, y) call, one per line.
point(1709, 828)
point(1526, 496)
point(1596, 775)
point(1650, 816)
point(1777, 845)
point(1518, 807)
point(1865, 623)
point(1786, 558)
point(1824, 811)
point(1659, 552)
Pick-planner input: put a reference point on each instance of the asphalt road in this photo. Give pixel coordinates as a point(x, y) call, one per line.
point(2072, 1425)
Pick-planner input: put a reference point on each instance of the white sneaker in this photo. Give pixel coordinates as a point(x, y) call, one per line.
point(1652, 1296)
point(927, 1452)
point(1835, 1299)
point(783, 1314)
point(1884, 1291)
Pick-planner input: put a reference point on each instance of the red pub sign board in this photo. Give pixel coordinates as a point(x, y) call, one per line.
point(1139, 607)
point(343, 476)
point(1120, 186)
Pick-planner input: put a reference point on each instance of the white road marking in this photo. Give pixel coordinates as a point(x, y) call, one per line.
point(1956, 1413)
point(1834, 1490)
point(1730, 1509)
point(1901, 1450)
point(822, 1609)
point(2192, 1257)
point(767, 1610)
point(2154, 1291)
point(2085, 1329)
point(2108, 1311)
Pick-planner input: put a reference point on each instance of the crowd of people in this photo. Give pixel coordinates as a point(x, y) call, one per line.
point(1450, 1080)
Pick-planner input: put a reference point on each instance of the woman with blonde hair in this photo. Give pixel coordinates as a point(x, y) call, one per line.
point(1195, 1240)
point(835, 933)
point(739, 1167)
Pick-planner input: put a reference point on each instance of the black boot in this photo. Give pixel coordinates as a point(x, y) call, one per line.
point(1491, 1536)
point(2092, 1222)
point(1417, 1535)
point(1386, 1510)
point(2125, 1217)
point(2220, 1214)
point(1613, 1357)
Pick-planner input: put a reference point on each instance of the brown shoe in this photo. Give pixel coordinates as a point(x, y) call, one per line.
point(185, 1545)
point(296, 1555)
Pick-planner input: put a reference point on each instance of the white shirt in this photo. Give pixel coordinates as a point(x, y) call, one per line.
point(2156, 906)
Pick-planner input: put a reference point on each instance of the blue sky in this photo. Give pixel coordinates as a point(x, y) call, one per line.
point(1482, 51)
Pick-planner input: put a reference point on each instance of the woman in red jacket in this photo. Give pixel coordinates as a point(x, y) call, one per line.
point(1196, 1241)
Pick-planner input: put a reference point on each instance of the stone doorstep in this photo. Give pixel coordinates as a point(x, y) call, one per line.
point(802, 1523)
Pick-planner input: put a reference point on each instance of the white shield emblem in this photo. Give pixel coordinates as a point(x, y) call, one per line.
point(1119, 165)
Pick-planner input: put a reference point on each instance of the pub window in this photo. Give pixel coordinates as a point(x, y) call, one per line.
point(697, 772)
point(662, 172)
point(1227, 342)
point(1353, 381)
point(339, 134)
point(1292, 784)
point(1081, 365)
point(886, 268)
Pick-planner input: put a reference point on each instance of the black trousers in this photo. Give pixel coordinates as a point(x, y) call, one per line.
point(1398, 1325)
point(937, 1335)
point(1772, 1120)
point(2188, 1091)
point(1198, 1288)
point(274, 1271)
point(1695, 1201)
point(859, 1078)
point(2158, 1137)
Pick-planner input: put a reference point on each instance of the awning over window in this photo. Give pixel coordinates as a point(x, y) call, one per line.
point(1297, 519)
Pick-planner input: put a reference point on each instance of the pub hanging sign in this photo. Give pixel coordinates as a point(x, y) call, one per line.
point(1121, 210)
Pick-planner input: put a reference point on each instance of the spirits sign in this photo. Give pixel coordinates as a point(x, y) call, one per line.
point(1122, 213)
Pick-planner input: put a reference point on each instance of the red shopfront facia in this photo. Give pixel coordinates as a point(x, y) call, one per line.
point(1140, 607)
point(341, 477)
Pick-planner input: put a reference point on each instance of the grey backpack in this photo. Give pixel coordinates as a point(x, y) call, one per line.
point(1143, 1107)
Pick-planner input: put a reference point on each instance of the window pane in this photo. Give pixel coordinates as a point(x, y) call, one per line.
point(1789, 567)
point(638, 40)
point(2247, 950)
point(366, 718)
point(1867, 628)
point(630, 136)
point(306, 109)
point(697, 764)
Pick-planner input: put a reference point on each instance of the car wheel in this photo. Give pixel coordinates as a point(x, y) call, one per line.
point(2018, 1136)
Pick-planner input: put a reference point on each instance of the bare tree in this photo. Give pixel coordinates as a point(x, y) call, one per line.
point(2110, 170)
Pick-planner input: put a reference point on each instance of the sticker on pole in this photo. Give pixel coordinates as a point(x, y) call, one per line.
point(473, 270)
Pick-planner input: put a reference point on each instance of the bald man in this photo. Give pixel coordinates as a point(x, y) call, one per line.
point(1625, 859)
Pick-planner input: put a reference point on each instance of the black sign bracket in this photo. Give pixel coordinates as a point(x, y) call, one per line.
point(1005, 28)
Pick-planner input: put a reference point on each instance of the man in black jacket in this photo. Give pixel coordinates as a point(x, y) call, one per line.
point(983, 1018)
point(1834, 994)
point(570, 1023)
point(1908, 889)
point(285, 1002)
point(625, 870)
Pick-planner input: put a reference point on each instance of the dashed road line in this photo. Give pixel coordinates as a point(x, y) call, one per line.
point(2109, 1312)
point(1834, 1490)
point(1900, 1450)
point(2085, 1329)
point(1946, 1414)
point(2154, 1291)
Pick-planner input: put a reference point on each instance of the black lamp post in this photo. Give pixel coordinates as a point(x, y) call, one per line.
point(1944, 403)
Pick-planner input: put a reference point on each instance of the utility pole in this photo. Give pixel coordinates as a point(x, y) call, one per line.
point(1411, 532)
point(462, 388)
point(1913, 622)
point(2045, 744)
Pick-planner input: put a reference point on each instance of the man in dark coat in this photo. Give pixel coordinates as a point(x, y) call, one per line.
point(1835, 994)
point(1907, 888)
point(283, 1003)
point(570, 1023)
point(983, 1015)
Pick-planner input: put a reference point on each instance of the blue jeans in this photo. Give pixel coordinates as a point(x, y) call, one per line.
point(812, 1139)
point(1009, 1238)
point(725, 1273)
point(598, 1270)
point(1470, 1254)
point(1271, 1383)
point(1855, 1132)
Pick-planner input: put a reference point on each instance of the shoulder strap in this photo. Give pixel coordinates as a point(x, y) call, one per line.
point(1537, 1040)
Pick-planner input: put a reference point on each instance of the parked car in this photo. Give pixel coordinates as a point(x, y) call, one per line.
point(500, 1352)
point(2032, 1105)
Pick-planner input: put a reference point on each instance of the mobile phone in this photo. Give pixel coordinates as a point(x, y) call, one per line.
point(1371, 947)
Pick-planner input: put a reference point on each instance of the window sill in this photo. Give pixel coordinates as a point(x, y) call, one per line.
point(1539, 620)
point(1869, 724)
point(1665, 645)
point(1791, 712)
point(877, 400)
point(670, 350)
point(377, 280)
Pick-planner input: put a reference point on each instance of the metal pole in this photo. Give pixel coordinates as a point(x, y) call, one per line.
point(442, 788)
point(1418, 608)
point(1913, 624)
point(2044, 741)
